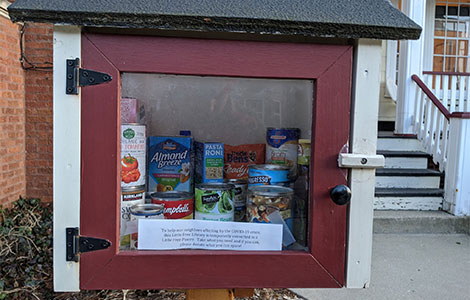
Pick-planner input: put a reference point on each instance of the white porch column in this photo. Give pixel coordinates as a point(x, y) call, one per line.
point(410, 62)
point(457, 180)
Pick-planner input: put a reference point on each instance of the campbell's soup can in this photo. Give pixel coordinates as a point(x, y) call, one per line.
point(281, 148)
point(239, 198)
point(133, 155)
point(177, 205)
point(144, 211)
point(130, 196)
point(214, 202)
point(268, 175)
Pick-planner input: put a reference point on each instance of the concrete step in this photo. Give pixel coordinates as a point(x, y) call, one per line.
point(407, 178)
point(405, 159)
point(408, 199)
point(420, 222)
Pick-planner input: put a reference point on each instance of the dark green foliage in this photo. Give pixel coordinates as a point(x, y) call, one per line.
point(26, 250)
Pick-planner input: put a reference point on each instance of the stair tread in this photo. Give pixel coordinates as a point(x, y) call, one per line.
point(398, 153)
point(408, 192)
point(390, 134)
point(407, 172)
point(414, 214)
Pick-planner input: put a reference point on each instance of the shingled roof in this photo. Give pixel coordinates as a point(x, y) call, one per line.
point(376, 19)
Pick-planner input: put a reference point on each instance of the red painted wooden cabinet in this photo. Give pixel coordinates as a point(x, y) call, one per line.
point(326, 67)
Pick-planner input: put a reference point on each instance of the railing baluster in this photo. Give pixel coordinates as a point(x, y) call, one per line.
point(432, 128)
point(421, 115)
point(445, 135)
point(445, 92)
point(453, 94)
point(418, 95)
point(467, 101)
point(461, 101)
point(427, 123)
point(438, 89)
point(437, 140)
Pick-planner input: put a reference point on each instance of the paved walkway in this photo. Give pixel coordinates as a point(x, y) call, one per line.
point(411, 266)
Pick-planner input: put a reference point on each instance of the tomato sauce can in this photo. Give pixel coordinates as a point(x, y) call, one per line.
point(281, 148)
point(177, 205)
point(214, 202)
point(130, 196)
point(144, 211)
point(239, 198)
point(133, 155)
point(268, 174)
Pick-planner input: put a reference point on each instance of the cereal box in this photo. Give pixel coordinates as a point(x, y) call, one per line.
point(169, 164)
point(238, 158)
point(209, 162)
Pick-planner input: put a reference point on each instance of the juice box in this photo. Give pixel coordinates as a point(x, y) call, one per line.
point(170, 163)
point(209, 162)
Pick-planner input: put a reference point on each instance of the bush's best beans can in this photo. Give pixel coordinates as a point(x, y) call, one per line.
point(144, 211)
point(239, 198)
point(281, 148)
point(130, 196)
point(133, 155)
point(177, 205)
point(214, 201)
point(268, 175)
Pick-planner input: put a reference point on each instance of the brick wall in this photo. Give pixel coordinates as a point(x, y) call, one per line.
point(38, 103)
point(12, 115)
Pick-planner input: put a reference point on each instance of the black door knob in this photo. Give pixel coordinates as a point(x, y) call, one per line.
point(340, 194)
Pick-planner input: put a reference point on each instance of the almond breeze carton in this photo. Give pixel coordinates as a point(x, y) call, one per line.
point(209, 162)
point(169, 165)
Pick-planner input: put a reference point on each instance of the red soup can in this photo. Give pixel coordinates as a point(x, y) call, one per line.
point(177, 205)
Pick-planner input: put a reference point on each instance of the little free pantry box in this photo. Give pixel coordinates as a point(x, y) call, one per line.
point(225, 71)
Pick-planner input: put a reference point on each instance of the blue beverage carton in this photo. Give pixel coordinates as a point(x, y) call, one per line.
point(169, 164)
point(209, 162)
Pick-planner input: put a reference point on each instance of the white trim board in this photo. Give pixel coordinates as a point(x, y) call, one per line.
point(66, 153)
point(364, 118)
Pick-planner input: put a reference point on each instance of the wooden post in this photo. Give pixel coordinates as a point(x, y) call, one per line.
point(206, 294)
point(220, 294)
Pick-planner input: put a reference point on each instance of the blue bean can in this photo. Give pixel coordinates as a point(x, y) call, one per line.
point(268, 175)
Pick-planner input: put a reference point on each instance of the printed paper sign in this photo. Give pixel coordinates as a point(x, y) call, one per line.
point(209, 235)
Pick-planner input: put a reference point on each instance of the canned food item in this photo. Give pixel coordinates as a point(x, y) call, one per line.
point(304, 152)
point(281, 148)
point(144, 211)
point(268, 175)
point(239, 198)
point(177, 205)
point(262, 201)
point(130, 196)
point(133, 152)
point(214, 201)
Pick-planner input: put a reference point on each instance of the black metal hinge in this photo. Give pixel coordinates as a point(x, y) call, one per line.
point(75, 77)
point(76, 244)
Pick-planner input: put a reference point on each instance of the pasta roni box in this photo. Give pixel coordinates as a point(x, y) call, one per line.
point(169, 165)
point(209, 162)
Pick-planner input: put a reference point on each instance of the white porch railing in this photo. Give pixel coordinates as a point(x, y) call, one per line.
point(452, 89)
point(443, 126)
